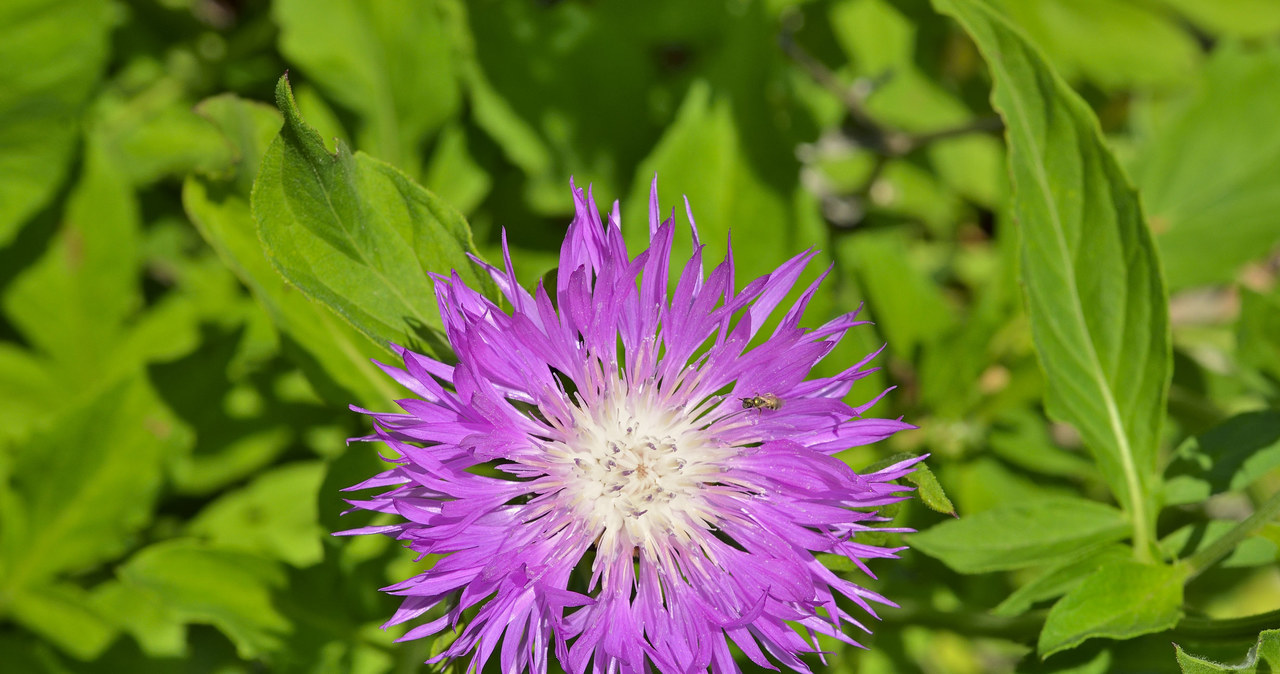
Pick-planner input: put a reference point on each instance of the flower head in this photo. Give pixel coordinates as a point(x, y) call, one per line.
point(615, 468)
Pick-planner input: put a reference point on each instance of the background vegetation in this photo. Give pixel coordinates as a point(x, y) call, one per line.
point(1099, 397)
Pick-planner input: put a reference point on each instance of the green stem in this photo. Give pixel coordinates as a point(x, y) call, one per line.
point(1223, 545)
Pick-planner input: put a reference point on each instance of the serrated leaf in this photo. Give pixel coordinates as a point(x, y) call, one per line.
point(390, 63)
point(358, 235)
point(1021, 534)
point(1092, 277)
point(228, 589)
point(335, 356)
point(1266, 650)
point(55, 51)
point(1207, 172)
point(930, 490)
point(275, 516)
point(85, 485)
point(1122, 600)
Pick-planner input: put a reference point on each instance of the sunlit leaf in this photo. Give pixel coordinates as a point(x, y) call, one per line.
point(358, 235)
point(1123, 599)
point(274, 516)
point(1091, 273)
point(1021, 534)
point(55, 51)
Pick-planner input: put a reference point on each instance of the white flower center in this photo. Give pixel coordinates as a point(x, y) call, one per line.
point(636, 473)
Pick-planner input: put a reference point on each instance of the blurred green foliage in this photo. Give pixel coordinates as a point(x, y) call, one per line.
point(1076, 281)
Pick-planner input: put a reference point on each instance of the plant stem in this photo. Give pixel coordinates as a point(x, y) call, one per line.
point(1223, 545)
point(1246, 627)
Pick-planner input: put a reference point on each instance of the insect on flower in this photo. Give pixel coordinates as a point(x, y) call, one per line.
point(763, 401)
point(587, 488)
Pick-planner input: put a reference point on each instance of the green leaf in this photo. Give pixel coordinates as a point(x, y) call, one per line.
point(1258, 333)
point(453, 173)
point(54, 51)
point(1252, 551)
point(86, 485)
point(144, 615)
point(86, 283)
point(702, 157)
point(330, 349)
point(1230, 456)
point(61, 615)
point(1059, 578)
point(274, 516)
point(1114, 44)
point(1122, 600)
point(1207, 171)
point(1238, 18)
point(930, 490)
point(1098, 308)
point(390, 63)
point(1267, 650)
point(358, 235)
point(1021, 534)
point(228, 589)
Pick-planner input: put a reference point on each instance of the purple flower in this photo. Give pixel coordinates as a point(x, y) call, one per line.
point(616, 472)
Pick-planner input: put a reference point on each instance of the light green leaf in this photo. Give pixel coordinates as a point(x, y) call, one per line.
point(1267, 650)
point(60, 614)
point(330, 349)
point(701, 157)
point(87, 281)
point(1116, 44)
point(85, 485)
point(1123, 599)
point(1207, 172)
point(358, 235)
point(144, 615)
point(54, 52)
point(391, 63)
point(1059, 578)
point(930, 490)
point(274, 516)
point(1098, 307)
point(1021, 534)
point(1238, 18)
point(453, 174)
point(203, 584)
point(1230, 456)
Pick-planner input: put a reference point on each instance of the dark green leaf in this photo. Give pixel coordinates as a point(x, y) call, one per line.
point(54, 51)
point(1123, 599)
point(1021, 534)
point(1208, 170)
point(1092, 277)
point(358, 235)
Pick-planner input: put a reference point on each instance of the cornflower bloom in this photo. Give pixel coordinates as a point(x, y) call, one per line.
point(621, 476)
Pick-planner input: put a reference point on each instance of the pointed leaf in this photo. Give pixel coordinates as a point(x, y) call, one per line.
point(1098, 308)
point(1124, 599)
point(358, 235)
